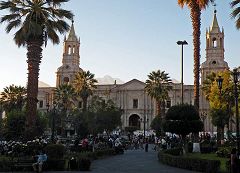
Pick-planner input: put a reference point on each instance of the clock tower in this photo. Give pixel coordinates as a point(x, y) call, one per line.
point(71, 59)
point(214, 50)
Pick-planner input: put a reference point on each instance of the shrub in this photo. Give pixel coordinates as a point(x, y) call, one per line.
point(174, 151)
point(195, 164)
point(206, 147)
point(224, 152)
point(5, 164)
point(55, 151)
point(84, 164)
point(54, 165)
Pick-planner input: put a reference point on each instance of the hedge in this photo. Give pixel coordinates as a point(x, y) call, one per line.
point(58, 164)
point(195, 164)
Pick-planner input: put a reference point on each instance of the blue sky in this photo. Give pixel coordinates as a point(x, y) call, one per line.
point(125, 39)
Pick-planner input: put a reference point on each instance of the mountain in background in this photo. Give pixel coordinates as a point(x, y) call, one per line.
point(109, 80)
point(43, 84)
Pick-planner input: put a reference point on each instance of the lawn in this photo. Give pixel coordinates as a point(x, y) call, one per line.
point(211, 156)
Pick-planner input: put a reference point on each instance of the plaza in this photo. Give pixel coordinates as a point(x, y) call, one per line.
point(144, 124)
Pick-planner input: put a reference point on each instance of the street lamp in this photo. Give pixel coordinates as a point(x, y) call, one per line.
point(144, 126)
point(235, 80)
point(219, 83)
point(182, 43)
point(53, 120)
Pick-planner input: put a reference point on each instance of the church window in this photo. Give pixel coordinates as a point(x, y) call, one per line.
point(135, 103)
point(69, 50)
point(214, 62)
point(214, 42)
point(66, 79)
point(40, 104)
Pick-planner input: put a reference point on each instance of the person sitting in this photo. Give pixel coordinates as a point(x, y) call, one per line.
point(41, 158)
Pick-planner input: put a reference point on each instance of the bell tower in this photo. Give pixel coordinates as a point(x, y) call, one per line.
point(214, 50)
point(70, 60)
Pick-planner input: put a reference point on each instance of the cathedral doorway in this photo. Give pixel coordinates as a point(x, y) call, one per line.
point(134, 121)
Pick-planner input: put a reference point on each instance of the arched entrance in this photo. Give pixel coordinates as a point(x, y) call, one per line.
point(134, 121)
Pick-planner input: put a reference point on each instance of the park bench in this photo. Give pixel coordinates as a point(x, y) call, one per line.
point(22, 164)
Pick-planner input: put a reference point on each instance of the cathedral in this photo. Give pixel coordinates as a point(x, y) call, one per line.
point(138, 108)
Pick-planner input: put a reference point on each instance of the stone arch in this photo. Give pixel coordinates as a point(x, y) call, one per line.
point(134, 120)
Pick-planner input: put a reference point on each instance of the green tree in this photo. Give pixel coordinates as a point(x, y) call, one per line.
point(182, 120)
point(13, 97)
point(195, 7)
point(221, 102)
point(64, 96)
point(14, 125)
point(220, 118)
point(156, 125)
point(157, 86)
point(207, 83)
point(235, 4)
point(84, 84)
point(105, 115)
point(37, 21)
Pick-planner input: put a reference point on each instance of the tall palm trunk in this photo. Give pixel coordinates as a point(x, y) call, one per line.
point(159, 108)
point(34, 56)
point(196, 24)
point(84, 104)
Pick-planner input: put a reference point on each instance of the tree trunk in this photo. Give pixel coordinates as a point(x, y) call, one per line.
point(219, 136)
point(84, 104)
point(196, 24)
point(159, 108)
point(34, 56)
point(163, 109)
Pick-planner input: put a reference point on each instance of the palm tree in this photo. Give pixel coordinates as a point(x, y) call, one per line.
point(37, 21)
point(84, 84)
point(64, 97)
point(236, 12)
point(195, 12)
point(157, 86)
point(13, 97)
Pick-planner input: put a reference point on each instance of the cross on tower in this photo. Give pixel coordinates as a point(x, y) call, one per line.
point(215, 10)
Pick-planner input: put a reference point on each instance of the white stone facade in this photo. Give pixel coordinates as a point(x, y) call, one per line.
point(130, 96)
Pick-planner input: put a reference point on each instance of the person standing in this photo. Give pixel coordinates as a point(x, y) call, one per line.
point(146, 146)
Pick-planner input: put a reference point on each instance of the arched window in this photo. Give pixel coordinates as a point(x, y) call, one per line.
point(69, 50)
point(73, 49)
point(214, 42)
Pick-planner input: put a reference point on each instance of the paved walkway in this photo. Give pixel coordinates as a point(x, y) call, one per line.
point(134, 161)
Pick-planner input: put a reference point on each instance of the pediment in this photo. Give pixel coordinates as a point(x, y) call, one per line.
point(132, 85)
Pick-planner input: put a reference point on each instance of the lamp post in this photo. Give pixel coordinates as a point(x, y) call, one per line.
point(53, 121)
point(235, 80)
point(182, 43)
point(144, 120)
point(219, 83)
